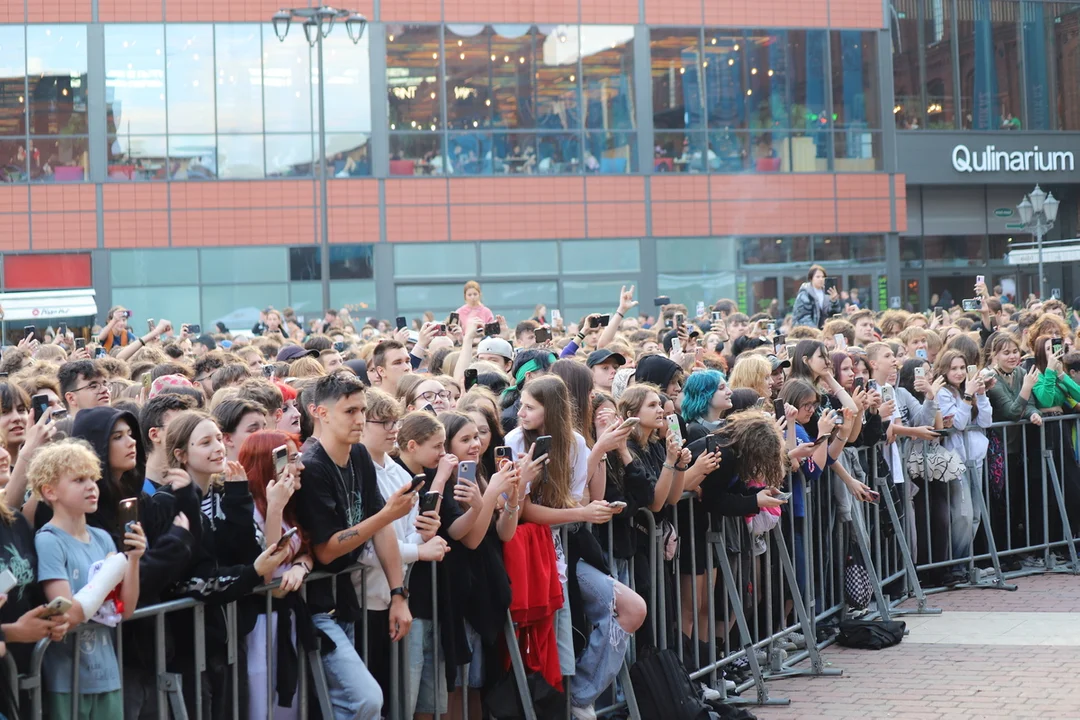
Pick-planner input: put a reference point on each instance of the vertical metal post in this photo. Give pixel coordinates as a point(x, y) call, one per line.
point(324, 212)
point(1039, 242)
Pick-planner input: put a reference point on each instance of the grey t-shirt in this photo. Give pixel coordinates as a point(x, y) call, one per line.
point(63, 557)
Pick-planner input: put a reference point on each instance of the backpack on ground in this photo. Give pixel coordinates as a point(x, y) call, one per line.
point(870, 634)
point(664, 689)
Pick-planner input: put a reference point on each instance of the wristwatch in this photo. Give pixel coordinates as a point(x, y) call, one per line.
point(967, 398)
point(400, 590)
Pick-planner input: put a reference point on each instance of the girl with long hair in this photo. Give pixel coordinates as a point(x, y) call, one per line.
point(554, 485)
point(752, 372)
point(706, 397)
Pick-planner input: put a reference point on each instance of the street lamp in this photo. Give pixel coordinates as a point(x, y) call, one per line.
point(317, 23)
point(1038, 211)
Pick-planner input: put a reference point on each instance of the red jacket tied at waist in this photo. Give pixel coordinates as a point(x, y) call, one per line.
point(536, 595)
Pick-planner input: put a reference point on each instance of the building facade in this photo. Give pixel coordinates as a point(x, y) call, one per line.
point(166, 155)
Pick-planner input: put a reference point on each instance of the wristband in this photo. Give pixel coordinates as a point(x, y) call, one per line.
point(670, 466)
point(619, 313)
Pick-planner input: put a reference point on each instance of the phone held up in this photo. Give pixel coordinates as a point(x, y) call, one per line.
point(129, 513)
point(281, 460)
point(471, 375)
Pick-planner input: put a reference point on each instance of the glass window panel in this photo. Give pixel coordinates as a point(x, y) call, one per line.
point(306, 297)
point(615, 152)
point(519, 294)
point(519, 258)
point(556, 104)
point(13, 65)
point(355, 294)
point(138, 157)
point(724, 66)
point(180, 304)
point(600, 293)
point(189, 72)
point(144, 267)
point(607, 64)
point(953, 251)
point(286, 70)
point(767, 63)
point(472, 153)
point(62, 159)
point(677, 95)
point(240, 265)
point(515, 102)
point(291, 155)
point(765, 292)
point(911, 252)
point(304, 263)
point(857, 150)
point(412, 76)
point(419, 260)
point(240, 157)
point(680, 151)
point(854, 80)
point(192, 157)
point(591, 256)
point(1051, 65)
point(348, 82)
point(557, 153)
point(351, 262)
point(859, 248)
point(695, 254)
point(239, 78)
point(775, 251)
point(135, 79)
point(56, 70)
point(348, 154)
point(728, 151)
point(989, 72)
point(15, 167)
point(436, 298)
point(469, 66)
point(238, 306)
point(416, 154)
point(808, 65)
point(936, 21)
point(1000, 246)
point(691, 289)
point(909, 109)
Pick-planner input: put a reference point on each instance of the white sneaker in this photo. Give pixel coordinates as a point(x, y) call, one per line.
point(796, 638)
point(709, 694)
point(582, 713)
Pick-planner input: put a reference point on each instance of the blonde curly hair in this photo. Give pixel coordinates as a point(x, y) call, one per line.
point(70, 456)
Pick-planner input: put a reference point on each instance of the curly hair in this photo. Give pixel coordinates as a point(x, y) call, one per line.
point(757, 447)
point(53, 461)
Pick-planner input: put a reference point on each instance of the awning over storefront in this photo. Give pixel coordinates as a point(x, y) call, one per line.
point(46, 305)
point(1056, 251)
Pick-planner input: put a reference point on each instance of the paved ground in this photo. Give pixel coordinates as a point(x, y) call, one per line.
point(991, 654)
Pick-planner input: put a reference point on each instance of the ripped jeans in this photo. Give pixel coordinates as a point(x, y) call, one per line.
point(602, 658)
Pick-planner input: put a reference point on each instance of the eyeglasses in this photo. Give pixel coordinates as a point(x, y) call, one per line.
point(808, 405)
point(431, 395)
point(95, 386)
point(387, 425)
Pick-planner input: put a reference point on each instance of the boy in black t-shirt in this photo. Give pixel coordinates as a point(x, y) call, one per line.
point(340, 508)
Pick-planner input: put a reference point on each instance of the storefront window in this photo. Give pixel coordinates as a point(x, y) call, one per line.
point(954, 251)
point(989, 73)
point(1051, 65)
point(909, 111)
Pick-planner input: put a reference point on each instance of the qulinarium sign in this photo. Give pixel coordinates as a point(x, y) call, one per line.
point(990, 159)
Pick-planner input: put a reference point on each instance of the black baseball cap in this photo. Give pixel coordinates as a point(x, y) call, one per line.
point(600, 356)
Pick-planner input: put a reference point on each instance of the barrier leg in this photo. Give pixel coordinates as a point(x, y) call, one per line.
point(980, 507)
point(1073, 566)
point(318, 674)
point(905, 550)
point(519, 670)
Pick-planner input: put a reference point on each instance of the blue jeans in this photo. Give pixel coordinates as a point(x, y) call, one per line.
point(354, 693)
point(420, 696)
point(602, 658)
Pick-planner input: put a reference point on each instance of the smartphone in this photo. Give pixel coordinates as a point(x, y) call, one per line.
point(938, 310)
point(28, 330)
point(785, 496)
point(417, 482)
point(840, 340)
point(150, 324)
point(921, 353)
point(281, 460)
point(712, 443)
point(40, 403)
point(858, 383)
point(972, 369)
point(268, 370)
point(429, 408)
point(62, 330)
point(980, 280)
point(339, 346)
point(680, 319)
point(284, 539)
point(466, 470)
point(759, 404)
point(430, 501)
point(504, 453)
point(492, 329)
point(886, 393)
point(471, 375)
point(543, 446)
point(920, 371)
point(101, 352)
point(770, 329)
point(673, 427)
point(830, 283)
point(778, 408)
point(58, 414)
point(631, 422)
point(676, 345)
point(195, 329)
point(791, 350)
point(80, 343)
point(820, 440)
point(599, 321)
point(58, 606)
point(7, 581)
point(440, 329)
point(971, 305)
point(543, 335)
point(147, 379)
point(617, 505)
point(717, 317)
point(556, 317)
point(1027, 363)
point(400, 322)
point(661, 301)
point(129, 513)
point(874, 495)
point(454, 319)
point(1056, 345)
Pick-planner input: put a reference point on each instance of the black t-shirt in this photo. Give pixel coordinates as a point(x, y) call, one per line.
point(17, 555)
point(332, 499)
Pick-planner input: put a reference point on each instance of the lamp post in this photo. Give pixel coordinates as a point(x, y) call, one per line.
point(1038, 211)
point(317, 23)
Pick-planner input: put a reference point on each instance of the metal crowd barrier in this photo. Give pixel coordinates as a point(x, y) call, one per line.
point(766, 613)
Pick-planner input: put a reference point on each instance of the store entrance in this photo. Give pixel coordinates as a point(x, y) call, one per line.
point(867, 284)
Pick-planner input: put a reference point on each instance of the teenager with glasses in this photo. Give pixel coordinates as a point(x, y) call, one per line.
point(83, 385)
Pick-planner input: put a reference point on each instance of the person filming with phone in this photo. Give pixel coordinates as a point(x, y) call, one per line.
point(116, 332)
point(817, 299)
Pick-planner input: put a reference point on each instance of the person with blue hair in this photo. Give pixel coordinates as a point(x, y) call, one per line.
point(706, 397)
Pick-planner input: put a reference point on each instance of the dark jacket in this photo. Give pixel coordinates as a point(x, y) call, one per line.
point(808, 312)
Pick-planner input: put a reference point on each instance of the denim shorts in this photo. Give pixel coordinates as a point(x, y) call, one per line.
point(476, 660)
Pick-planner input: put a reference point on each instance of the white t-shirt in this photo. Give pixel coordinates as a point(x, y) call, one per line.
point(579, 461)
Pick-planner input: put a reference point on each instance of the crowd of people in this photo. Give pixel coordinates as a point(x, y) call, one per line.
point(449, 473)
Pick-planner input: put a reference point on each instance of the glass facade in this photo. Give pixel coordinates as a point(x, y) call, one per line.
point(1007, 64)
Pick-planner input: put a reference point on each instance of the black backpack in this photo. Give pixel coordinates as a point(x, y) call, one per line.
point(664, 690)
point(870, 634)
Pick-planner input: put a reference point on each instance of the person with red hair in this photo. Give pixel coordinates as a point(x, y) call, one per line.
point(274, 516)
point(289, 420)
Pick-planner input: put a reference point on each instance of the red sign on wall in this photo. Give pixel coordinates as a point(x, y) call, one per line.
point(47, 272)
